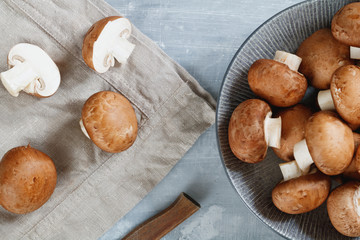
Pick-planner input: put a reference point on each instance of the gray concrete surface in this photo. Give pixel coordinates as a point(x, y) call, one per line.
point(203, 36)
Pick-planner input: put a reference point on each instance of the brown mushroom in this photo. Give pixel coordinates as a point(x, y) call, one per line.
point(278, 81)
point(345, 27)
point(293, 121)
point(106, 40)
point(344, 210)
point(301, 194)
point(328, 143)
point(321, 55)
point(27, 179)
point(251, 130)
point(353, 171)
point(109, 120)
point(343, 94)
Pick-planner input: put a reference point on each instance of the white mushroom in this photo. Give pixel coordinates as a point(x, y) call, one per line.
point(31, 70)
point(106, 40)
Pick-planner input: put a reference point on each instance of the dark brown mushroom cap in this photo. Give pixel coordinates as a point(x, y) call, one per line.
point(321, 55)
point(110, 121)
point(330, 142)
point(345, 25)
point(341, 209)
point(293, 121)
point(354, 127)
point(302, 194)
point(246, 131)
point(276, 83)
point(91, 36)
point(27, 179)
point(345, 89)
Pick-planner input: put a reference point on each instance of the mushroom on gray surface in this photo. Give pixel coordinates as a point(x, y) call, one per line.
point(251, 130)
point(343, 208)
point(343, 94)
point(321, 55)
point(31, 70)
point(353, 171)
point(328, 143)
point(105, 41)
point(278, 81)
point(293, 121)
point(301, 194)
point(345, 27)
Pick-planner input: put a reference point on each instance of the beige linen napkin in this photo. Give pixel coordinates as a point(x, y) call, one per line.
point(94, 188)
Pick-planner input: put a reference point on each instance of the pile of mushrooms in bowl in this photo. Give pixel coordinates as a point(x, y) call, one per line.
point(318, 144)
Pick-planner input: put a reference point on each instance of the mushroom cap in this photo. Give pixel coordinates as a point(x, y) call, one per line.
point(276, 83)
point(353, 171)
point(27, 179)
point(356, 137)
point(110, 121)
point(96, 59)
point(246, 130)
point(345, 25)
point(301, 194)
point(42, 63)
point(321, 55)
point(345, 88)
point(293, 121)
point(342, 210)
point(330, 142)
point(356, 159)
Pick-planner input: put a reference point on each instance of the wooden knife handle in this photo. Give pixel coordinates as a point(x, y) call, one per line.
point(162, 223)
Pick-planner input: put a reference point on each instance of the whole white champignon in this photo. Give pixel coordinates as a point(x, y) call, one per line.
point(110, 43)
point(31, 70)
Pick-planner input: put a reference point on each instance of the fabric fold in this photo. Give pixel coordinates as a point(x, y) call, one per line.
point(94, 188)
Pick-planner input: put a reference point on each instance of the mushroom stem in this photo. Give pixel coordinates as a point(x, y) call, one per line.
point(354, 52)
point(290, 170)
point(291, 60)
point(18, 78)
point(302, 156)
point(122, 49)
point(272, 130)
point(325, 100)
point(83, 129)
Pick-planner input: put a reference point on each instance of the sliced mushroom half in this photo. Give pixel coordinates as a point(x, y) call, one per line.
point(31, 70)
point(106, 41)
